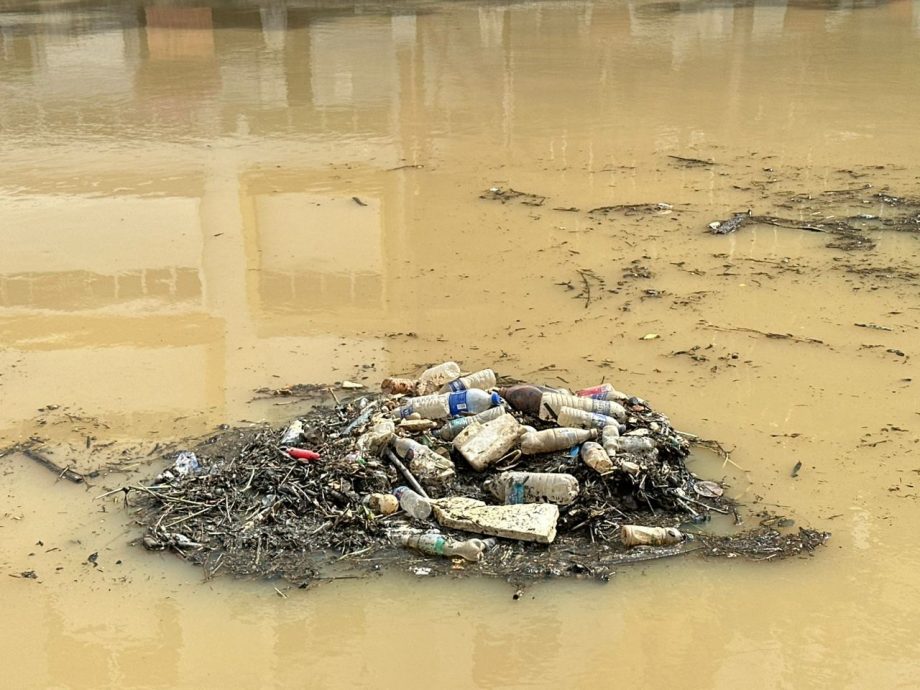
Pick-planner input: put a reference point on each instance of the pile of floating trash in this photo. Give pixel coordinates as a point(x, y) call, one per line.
point(448, 473)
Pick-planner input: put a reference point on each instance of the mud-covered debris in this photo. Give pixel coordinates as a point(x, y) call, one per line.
point(250, 509)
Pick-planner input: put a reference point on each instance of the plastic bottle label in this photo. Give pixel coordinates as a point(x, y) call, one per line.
point(515, 493)
point(457, 404)
point(439, 546)
point(456, 386)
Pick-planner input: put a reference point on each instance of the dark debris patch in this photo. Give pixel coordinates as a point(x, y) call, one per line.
point(253, 511)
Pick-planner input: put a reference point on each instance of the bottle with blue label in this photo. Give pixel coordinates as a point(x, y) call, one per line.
point(444, 405)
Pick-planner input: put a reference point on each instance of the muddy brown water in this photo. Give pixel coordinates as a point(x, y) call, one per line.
point(179, 228)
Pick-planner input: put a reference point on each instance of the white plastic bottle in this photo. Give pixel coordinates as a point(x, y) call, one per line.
point(605, 391)
point(293, 434)
point(449, 431)
point(552, 403)
point(433, 378)
point(428, 467)
point(595, 457)
point(484, 380)
point(437, 545)
point(637, 535)
point(635, 444)
point(551, 440)
point(582, 419)
point(412, 503)
point(443, 405)
point(534, 487)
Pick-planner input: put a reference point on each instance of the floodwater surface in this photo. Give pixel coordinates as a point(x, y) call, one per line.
point(200, 201)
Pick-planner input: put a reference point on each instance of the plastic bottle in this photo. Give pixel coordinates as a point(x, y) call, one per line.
point(412, 503)
point(428, 467)
point(379, 435)
point(635, 444)
point(534, 487)
point(293, 434)
point(554, 439)
point(444, 405)
point(449, 431)
point(605, 391)
point(484, 380)
point(595, 457)
point(525, 397)
point(438, 545)
point(552, 403)
point(636, 535)
point(433, 378)
point(582, 419)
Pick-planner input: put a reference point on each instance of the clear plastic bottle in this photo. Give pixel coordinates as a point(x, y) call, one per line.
point(293, 433)
point(484, 380)
point(433, 378)
point(637, 535)
point(449, 431)
point(443, 405)
point(582, 419)
point(534, 487)
point(429, 468)
point(551, 440)
point(595, 457)
point(635, 444)
point(605, 391)
point(552, 403)
point(437, 545)
point(412, 503)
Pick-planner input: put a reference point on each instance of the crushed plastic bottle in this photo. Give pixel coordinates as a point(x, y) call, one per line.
point(449, 431)
point(634, 444)
point(551, 440)
point(293, 434)
point(595, 457)
point(433, 378)
point(637, 535)
point(437, 545)
point(484, 380)
point(412, 503)
point(534, 487)
point(605, 391)
point(428, 467)
point(443, 405)
point(375, 440)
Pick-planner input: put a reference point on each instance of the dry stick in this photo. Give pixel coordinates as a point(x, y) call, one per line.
point(47, 462)
point(413, 482)
point(587, 288)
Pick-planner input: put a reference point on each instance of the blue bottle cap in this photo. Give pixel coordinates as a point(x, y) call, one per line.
point(496, 400)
